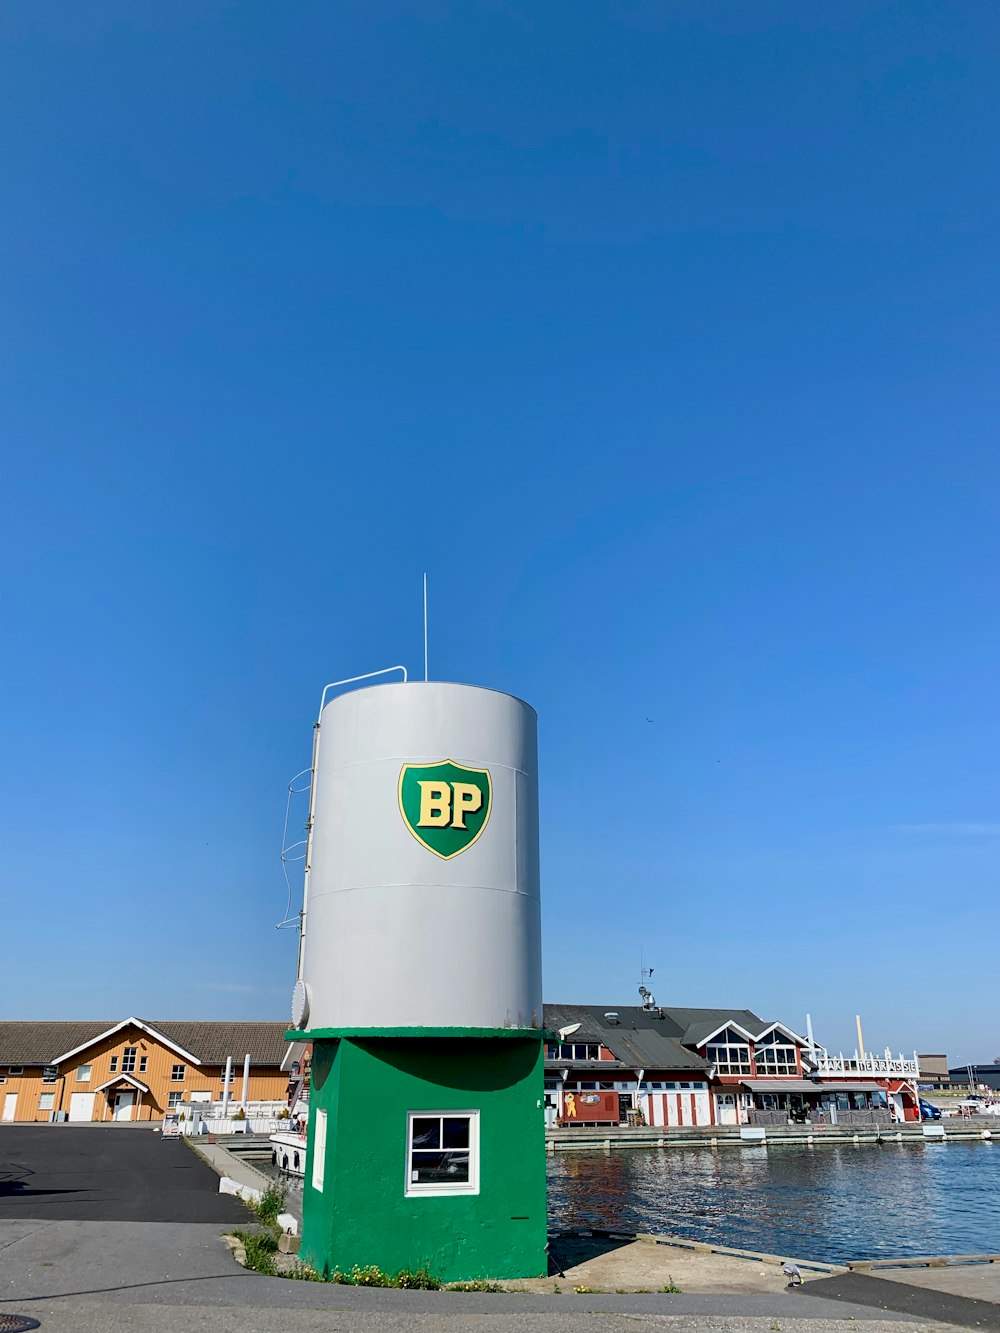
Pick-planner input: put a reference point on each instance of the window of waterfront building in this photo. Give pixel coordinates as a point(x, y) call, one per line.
point(177, 1073)
point(15, 1071)
point(729, 1057)
point(442, 1152)
point(49, 1074)
point(128, 1060)
point(83, 1073)
point(142, 1064)
point(174, 1099)
point(113, 1066)
point(573, 1050)
point(46, 1101)
point(776, 1060)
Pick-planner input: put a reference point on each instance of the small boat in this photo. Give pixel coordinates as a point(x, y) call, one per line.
point(288, 1152)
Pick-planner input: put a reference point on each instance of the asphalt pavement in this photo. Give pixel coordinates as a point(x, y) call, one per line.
point(99, 1173)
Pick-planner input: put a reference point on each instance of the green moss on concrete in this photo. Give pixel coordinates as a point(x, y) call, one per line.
point(363, 1216)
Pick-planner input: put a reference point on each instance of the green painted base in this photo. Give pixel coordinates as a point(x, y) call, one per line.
point(357, 1208)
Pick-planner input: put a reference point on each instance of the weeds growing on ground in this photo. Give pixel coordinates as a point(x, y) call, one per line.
point(260, 1249)
point(300, 1272)
point(269, 1205)
point(477, 1284)
point(370, 1275)
point(669, 1288)
point(418, 1279)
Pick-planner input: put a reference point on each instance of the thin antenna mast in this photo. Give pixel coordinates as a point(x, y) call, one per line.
point(425, 626)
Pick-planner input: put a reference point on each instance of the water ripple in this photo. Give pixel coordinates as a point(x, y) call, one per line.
point(831, 1203)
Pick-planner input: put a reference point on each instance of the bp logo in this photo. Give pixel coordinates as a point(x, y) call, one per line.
point(445, 806)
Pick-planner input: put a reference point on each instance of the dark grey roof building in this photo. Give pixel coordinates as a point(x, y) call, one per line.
point(981, 1075)
point(656, 1037)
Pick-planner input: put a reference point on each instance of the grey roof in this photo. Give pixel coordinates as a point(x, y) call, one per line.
point(657, 1038)
point(36, 1043)
point(639, 1039)
point(698, 1024)
point(31, 1043)
point(213, 1042)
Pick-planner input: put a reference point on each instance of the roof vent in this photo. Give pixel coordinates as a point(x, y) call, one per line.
point(612, 1018)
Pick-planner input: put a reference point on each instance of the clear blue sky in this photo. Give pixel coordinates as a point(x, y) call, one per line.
point(662, 334)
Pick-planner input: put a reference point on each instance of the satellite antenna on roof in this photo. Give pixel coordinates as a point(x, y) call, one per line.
point(648, 998)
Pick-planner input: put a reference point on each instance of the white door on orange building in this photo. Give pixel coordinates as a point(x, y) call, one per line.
point(81, 1106)
point(10, 1106)
point(123, 1105)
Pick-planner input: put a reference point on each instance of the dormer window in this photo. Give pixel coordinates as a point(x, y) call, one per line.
point(774, 1054)
point(729, 1052)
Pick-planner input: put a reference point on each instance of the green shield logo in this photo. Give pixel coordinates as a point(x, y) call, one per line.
point(445, 805)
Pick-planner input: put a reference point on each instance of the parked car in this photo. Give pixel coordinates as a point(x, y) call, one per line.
point(928, 1111)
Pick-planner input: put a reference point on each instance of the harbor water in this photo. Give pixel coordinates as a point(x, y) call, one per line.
point(831, 1203)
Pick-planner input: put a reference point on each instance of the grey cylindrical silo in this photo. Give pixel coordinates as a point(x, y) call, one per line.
point(398, 934)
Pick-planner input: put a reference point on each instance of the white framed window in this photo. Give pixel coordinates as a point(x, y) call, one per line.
point(319, 1151)
point(729, 1058)
point(15, 1071)
point(573, 1050)
point(174, 1099)
point(83, 1073)
point(776, 1060)
point(442, 1152)
point(113, 1066)
point(46, 1101)
point(177, 1073)
point(50, 1074)
point(143, 1059)
point(128, 1060)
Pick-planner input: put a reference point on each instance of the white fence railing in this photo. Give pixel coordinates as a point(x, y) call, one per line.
point(218, 1118)
point(216, 1125)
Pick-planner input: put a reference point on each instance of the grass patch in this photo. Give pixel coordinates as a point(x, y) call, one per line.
point(370, 1275)
point(300, 1272)
point(269, 1205)
point(669, 1288)
point(477, 1284)
point(260, 1249)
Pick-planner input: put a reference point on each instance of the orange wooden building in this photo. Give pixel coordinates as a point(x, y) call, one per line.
point(133, 1069)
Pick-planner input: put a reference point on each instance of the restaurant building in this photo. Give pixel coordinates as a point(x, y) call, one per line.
point(666, 1066)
